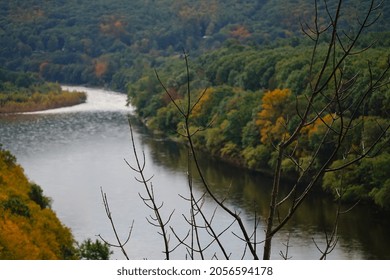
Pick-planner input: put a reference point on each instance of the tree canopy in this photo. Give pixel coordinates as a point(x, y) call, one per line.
point(84, 42)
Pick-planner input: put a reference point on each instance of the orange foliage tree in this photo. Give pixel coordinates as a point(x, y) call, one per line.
point(240, 32)
point(100, 68)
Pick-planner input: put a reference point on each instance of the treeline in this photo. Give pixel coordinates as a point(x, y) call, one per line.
point(95, 43)
point(25, 92)
point(243, 97)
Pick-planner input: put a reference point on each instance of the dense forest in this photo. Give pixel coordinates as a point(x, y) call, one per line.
point(249, 63)
point(84, 42)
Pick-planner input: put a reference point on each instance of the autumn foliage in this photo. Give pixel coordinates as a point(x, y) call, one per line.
point(100, 68)
point(29, 229)
point(34, 99)
point(112, 25)
point(272, 117)
point(240, 32)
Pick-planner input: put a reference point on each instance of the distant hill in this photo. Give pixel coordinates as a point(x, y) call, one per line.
point(87, 42)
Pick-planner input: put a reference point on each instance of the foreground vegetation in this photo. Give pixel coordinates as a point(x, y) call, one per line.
point(29, 229)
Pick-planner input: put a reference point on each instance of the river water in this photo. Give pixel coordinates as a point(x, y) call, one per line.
point(73, 153)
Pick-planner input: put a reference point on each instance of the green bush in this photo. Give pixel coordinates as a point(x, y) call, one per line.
point(36, 195)
point(381, 196)
point(94, 250)
point(16, 206)
point(256, 157)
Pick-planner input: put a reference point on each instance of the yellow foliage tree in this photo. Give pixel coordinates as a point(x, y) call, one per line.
point(320, 125)
point(271, 118)
point(206, 95)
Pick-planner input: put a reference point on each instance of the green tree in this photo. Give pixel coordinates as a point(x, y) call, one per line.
point(97, 250)
point(36, 194)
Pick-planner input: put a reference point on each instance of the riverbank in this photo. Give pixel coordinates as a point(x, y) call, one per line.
point(239, 144)
point(19, 103)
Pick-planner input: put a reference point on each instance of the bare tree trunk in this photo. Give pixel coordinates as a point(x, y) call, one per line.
point(273, 205)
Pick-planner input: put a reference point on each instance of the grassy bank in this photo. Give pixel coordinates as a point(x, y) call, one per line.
point(27, 92)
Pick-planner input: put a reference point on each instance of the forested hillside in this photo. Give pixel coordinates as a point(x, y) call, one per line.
point(251, 57)
point(96, 42)
point(29, 229)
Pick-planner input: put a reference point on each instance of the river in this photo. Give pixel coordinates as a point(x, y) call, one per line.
point(74, 152)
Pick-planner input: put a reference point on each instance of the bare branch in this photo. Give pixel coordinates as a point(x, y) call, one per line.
point(119, 244)
point(150, 200)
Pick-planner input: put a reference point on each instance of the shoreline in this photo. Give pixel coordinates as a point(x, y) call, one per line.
point(41, 102)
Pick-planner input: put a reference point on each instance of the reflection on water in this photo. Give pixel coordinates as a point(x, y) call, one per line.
point(73, 152)
point(362, 232)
